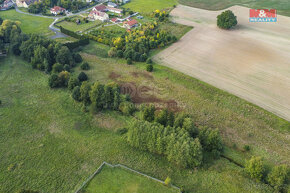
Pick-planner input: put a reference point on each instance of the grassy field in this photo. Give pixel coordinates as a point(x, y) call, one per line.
point(119, 180)
point(283, 6)
point(29, 24)
point(48, 144)
point(78, 28)
point(148, 6)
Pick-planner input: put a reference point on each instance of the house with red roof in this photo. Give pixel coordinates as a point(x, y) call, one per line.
point(57, 10)
point(101, 8)
point(130, 24)
point(114, 20)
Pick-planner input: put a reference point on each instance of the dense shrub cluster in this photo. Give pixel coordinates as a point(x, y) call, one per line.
point(36, 7)
point(134, 45)
point(277, 177)
point(160, 15)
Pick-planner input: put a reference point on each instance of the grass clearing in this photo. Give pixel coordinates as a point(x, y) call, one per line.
point(72, 26)
point(52, 146)
point(119, 180)
point(283, 6)
point(148, 6)
point(29, 24)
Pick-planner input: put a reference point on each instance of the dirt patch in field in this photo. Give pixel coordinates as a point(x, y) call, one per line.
point(251, 61)
point(142, 74)
point(146, 94)
point(114, 75)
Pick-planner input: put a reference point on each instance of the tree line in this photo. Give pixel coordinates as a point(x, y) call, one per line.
point(173, 136)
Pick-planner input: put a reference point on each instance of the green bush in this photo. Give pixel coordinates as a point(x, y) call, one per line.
point(77, 58)
point(149, 61)
point(226, 20)
point(149, 67)
point(56, 68)
point(85, 66)
point(53, 81)
point(278, 176)
point(66, 68)
point(76, 94)
point(127, 108)
point(255, 168)
point(246, 148)
point(129, 61)
point(73, 82)
point(82, 77)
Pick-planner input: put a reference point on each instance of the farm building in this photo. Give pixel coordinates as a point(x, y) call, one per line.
point(114, 10)
point(130, 24)
point(111, 4)
point(101, 8)
point(57, 10)
point(99, 15)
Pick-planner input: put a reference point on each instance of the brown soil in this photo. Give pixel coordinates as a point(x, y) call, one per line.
point(251, 61)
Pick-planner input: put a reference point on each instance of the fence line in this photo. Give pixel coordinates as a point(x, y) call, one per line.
point(124, 167)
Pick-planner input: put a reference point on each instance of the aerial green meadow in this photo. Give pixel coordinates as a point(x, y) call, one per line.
point(29, 24)
point(119, 180)
point(48, 144)
point(148, 6)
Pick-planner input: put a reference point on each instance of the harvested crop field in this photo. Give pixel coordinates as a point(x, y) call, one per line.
point(251, 61)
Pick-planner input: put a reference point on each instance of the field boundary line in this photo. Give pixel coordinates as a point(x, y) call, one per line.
point(124, 167)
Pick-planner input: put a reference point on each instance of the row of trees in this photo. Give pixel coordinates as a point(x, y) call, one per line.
point(174, 143)
point(209, 138)
point(100, 97)
point(277, 177)
point(174, 136)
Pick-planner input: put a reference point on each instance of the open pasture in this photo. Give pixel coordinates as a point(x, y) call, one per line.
point(148, 6)
point(29, 23)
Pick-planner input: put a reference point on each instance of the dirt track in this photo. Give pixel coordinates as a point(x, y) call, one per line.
point(251, 61)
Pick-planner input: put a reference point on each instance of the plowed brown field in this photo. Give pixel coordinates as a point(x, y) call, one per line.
point(251, 61)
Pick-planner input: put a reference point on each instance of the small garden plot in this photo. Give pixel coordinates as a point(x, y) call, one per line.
point(78, 24)
point(120, 180)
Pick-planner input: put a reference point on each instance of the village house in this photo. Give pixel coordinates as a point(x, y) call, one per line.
point(101, 8)
point(114, 10)
point(98, 15)
point(25, 3)
point(124, 1)
point(6, 5)
point(57, 10)
point(130, 24)
point(114, 20)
